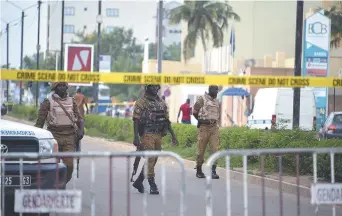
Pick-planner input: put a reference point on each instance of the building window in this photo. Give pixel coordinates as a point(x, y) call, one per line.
point(69, 28)
point(112, 12)
point(69, 11)
point(109, 29)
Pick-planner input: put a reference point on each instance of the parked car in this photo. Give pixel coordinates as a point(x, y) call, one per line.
point(332, 127)
point(21, 138)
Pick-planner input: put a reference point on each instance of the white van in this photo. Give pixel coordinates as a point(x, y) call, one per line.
point(276, 105)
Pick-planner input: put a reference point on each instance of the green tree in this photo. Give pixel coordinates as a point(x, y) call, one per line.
point(171, 52)
point(335, 14)
point(9, 66)
point(47, 63)
point(126, 56)
point(206, 20)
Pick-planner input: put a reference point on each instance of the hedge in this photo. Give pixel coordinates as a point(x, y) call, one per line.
point(121, 129)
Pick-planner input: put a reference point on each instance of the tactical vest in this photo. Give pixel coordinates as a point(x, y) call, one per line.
point(56, 116)
point(154, 117)
point(210, 109)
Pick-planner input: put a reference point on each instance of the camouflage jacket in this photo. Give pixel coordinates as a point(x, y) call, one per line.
point(42, 115)
point(150, 110)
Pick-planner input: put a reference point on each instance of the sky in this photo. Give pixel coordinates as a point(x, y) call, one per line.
point(9, 13)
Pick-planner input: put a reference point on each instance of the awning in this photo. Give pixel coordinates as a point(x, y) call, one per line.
point(235, 92)
point(232, 92)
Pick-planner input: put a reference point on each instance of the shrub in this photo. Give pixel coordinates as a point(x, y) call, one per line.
point(230, 138)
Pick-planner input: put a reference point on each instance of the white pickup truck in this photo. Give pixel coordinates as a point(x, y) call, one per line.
point(22, 138)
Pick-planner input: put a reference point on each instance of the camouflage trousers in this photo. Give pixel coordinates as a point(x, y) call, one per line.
point(66, 143)
point(207, 134)
point(151, 142)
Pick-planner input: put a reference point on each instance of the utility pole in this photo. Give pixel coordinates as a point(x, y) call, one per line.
point(298, 62)
point(7, 63)
point(62, 37)
point(48, 29)
point(160, 36)
point(38, 49)
point(96, 85)
point(21, 53)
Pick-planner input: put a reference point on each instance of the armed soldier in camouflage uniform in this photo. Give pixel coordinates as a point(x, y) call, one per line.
point(207, 111)
point(65, 130)
point(151, 123)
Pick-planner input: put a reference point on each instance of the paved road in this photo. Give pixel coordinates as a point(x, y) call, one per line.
point(195, 191)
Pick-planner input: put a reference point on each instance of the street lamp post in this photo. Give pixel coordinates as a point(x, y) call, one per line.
point(160, 35)
point(38, 49)
point(7, 56)
point(96, 85)
point(298, 62)
point(21, 53)
point(62, 37)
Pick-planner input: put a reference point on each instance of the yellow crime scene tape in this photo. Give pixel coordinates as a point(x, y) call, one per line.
point(170, 79)
point(111, 104)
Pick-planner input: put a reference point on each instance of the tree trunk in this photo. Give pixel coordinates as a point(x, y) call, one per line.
point(205, 52)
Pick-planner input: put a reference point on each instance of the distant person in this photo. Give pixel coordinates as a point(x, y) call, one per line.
point(81, 100)
point(186, 112)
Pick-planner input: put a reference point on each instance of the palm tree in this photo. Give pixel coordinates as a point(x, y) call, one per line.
point(205, 19)
point(335, 14)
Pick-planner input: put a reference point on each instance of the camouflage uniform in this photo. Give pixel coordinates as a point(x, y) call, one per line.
point(208, 110)
point(148, 109)
point(65, 135)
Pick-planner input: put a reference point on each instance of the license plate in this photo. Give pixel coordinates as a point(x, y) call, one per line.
point(15, 180)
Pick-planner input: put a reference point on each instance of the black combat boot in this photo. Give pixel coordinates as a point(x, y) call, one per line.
point(138, 184)
point(153, 186)
point(199, 173)
point(213, 173)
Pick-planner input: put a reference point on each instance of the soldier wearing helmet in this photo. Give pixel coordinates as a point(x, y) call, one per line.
point(60, 112)
point(207, 111)
point(151, 124)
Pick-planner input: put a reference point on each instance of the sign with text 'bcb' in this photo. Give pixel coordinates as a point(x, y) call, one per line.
point(79, 57)
point(48, 201)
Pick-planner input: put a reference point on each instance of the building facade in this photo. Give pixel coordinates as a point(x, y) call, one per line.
point(80, 16)
point(265, 28)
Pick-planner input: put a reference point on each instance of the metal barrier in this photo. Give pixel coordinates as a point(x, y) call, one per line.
point(279, 153)
point(22, 195)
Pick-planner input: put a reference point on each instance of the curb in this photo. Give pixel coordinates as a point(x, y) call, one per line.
point(235, 175)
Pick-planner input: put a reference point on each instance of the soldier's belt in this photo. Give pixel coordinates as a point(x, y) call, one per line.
point(157, 131)
point(207, 122)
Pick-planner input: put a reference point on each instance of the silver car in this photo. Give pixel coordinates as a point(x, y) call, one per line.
point(332, 127)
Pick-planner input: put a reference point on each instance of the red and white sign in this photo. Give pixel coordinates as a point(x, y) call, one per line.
point(79, 57)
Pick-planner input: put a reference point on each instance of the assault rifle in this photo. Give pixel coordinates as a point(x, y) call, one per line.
point(78, 149)
point(136, 163)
